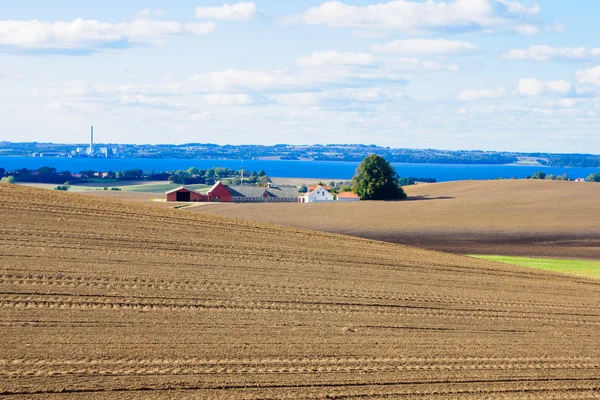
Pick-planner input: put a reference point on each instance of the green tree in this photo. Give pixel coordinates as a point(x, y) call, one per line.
point(376, 179)
point(303, 188)
point(539, 175)
point(595, 177)
point(8, 179)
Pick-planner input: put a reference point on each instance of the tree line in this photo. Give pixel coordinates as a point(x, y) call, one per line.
point(595, 177)
point(184, 177)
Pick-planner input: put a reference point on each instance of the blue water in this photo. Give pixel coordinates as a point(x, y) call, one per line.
point(291, 169)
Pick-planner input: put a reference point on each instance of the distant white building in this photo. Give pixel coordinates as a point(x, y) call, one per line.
point(318, 194)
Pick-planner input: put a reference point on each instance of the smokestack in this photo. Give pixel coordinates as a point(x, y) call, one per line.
point(92, 140)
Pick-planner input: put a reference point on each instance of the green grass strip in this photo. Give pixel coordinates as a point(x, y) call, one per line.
point(590, 269)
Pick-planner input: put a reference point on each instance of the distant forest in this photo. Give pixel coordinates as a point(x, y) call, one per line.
point(328, 152)
point(187, 176)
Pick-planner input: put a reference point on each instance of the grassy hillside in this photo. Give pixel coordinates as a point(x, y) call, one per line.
point(101, 298)
point(576, 267)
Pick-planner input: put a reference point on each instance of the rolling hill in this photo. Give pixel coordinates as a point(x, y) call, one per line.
point(110, 299)
point(505, 217)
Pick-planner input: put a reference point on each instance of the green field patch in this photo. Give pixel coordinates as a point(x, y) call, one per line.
point(590, 269)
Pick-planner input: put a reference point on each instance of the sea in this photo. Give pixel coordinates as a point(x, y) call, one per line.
point(339, 170)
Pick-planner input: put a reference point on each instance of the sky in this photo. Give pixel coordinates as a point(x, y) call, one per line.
point(446, 74)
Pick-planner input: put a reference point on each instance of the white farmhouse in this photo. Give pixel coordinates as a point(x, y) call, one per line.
point(316, 195)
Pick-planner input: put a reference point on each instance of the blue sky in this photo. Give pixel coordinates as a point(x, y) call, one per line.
point(455, 74)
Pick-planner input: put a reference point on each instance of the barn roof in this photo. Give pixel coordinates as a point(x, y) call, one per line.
point(348, 195)
point(182, 188)
point(257, 191)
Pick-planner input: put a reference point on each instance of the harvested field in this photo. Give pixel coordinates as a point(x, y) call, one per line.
point(511, 217)
point(109, 299)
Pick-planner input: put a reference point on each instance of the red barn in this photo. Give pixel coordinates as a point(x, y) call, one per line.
point(184, 194)
point(219, 193)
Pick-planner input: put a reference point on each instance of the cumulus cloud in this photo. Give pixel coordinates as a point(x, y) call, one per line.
point(411, 16)
point(339, 97)
point(481, 94)
point(228, 99)
point(425, 46)
point(82, 33)
point(234, 12)
point(545, 53)
point(591, 76)
point(527, 29)
point(514, 7)
point(536, 87)
point(317, 60)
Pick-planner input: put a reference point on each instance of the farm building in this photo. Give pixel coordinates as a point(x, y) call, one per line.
point(235, 194)
point(219, 193)
point(318, 194)
point(348, 196)
point(245, 194)
point(184, 194)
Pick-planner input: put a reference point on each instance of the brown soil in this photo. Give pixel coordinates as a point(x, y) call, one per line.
point(518, 217)
point(102, 298)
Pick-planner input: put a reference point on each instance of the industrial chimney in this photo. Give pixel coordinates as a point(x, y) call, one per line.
point(92, 141)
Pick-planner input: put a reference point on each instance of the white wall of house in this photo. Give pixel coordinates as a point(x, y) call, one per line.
point(317, 195)
point(345, 199)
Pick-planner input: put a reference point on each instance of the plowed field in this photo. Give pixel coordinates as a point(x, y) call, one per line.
point(101, 298)
point(511, 217)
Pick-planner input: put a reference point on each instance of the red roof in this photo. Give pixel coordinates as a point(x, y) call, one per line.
point(312, 188)
point(348, 195)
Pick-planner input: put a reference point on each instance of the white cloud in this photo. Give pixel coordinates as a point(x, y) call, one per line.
point(228, 99)
point(591, 75)
point(425, 46)
point(85, 33)
point(412, 17)
point(148, 13)
point(514, 7)
point(569, 102)
point(536, 87)
point(142, 100)
point(317, 60)
point(545, 53)
point(561, 87)
point(339, 97)
point(481, 94)
point(234, 12)
point(527, 29)
point(488, 109)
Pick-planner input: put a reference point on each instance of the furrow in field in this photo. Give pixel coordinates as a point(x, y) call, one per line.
point(35, 280)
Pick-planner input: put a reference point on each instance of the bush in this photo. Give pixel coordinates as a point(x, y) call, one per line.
point(62, 188)
point(8, 179)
